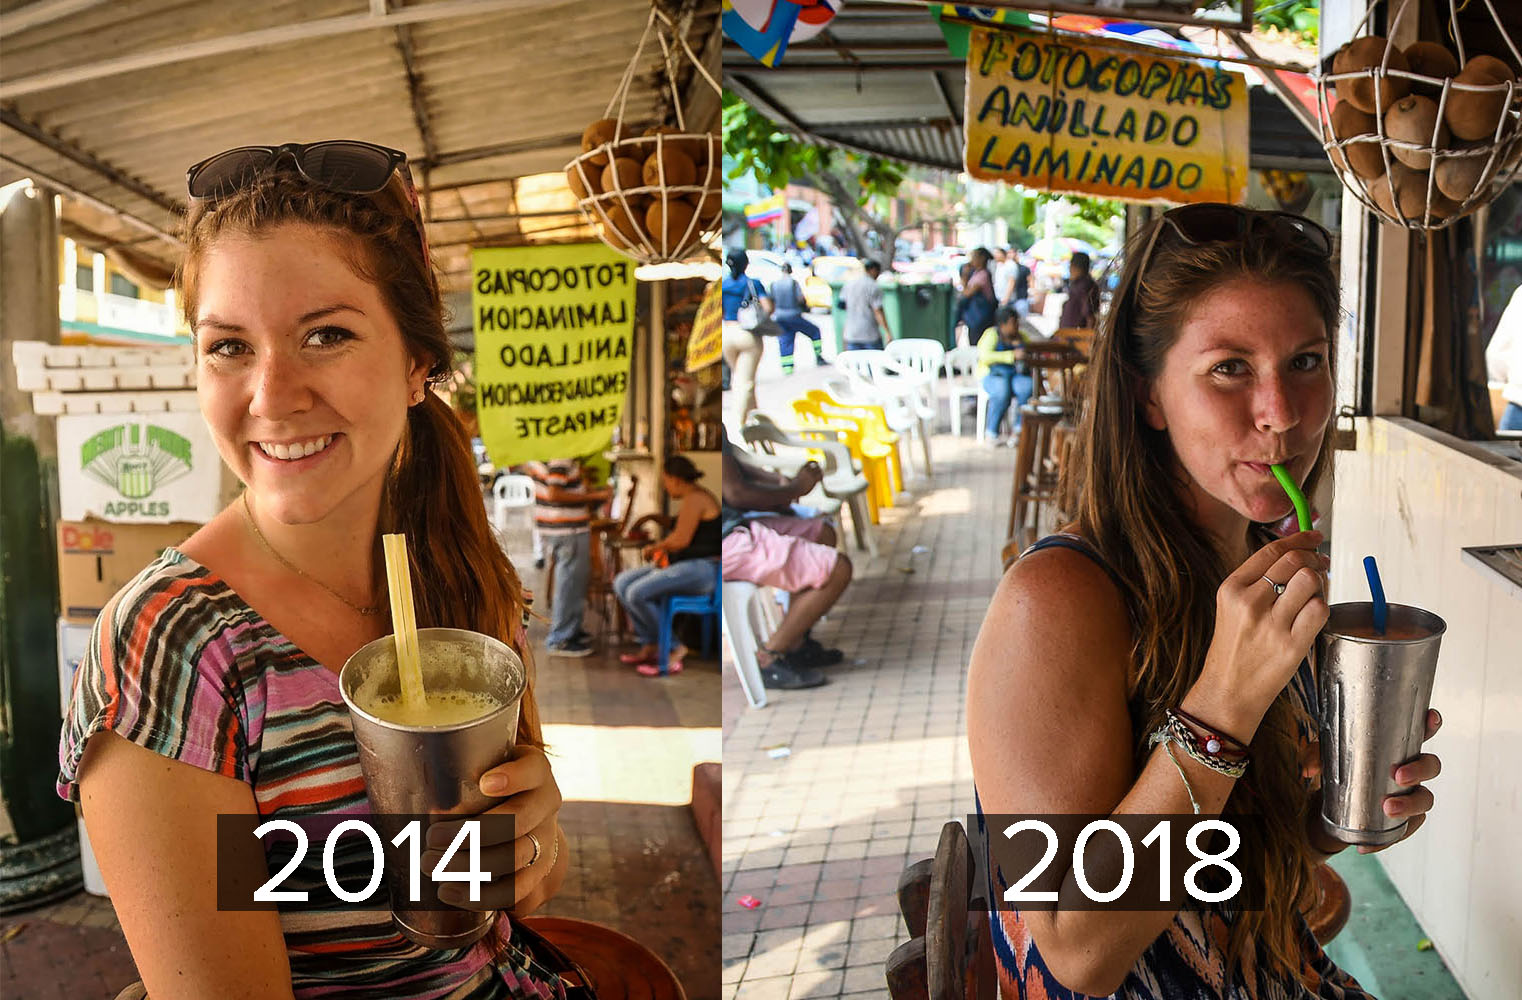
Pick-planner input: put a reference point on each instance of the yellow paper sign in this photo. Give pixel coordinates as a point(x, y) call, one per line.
point(552, 328)
point(1115, 120)
point(704, 346)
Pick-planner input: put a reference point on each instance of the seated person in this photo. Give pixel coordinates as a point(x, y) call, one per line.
point(1001, 365)
point(765, 544)
point(681, 563)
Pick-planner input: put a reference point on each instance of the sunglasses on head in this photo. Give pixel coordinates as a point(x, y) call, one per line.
point(1209, 222)
point(347, 166)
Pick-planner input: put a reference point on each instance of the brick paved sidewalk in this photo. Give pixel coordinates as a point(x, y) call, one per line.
point(878, 757)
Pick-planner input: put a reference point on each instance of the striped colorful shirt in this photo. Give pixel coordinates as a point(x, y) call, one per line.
point(179, 664)
point(561, 503)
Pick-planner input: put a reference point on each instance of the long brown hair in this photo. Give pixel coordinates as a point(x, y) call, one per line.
point(1124, 483)
point(461, 578)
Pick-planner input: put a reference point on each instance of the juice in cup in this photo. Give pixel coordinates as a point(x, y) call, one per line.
point(429, 762)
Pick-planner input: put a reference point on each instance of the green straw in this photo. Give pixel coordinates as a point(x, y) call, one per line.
point(1302, 509)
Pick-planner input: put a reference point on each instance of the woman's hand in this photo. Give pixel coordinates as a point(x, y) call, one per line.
point(1413, 805)
point(533, 800)
point(1261, 636)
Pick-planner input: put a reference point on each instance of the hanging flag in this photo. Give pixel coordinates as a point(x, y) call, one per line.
point(763, 28)
point(808, 226)
point(766, 210)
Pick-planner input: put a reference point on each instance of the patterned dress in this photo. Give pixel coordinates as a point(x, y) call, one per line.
point(179, 664)
point(1188, 960)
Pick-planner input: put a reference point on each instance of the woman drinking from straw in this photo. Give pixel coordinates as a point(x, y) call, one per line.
point(1152, 658)
point(211, 684)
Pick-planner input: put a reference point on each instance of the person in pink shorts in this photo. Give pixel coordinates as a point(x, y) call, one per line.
point(765, 546)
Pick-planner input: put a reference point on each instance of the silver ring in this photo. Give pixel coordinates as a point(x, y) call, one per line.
point(535, 841)
point(1278, 587)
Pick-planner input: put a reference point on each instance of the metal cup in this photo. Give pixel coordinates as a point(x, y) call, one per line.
point(1374, 694)
point(433, 770)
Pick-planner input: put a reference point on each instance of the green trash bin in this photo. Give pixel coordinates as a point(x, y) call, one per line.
point(922, 310)
point(837, 317)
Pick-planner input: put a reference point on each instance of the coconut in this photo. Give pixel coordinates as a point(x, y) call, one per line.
point(1410, 188)
point(671, 165)
point(689, 146)
point(1413, 119)
point(668, 219)
point(1458, 176)
point(1474, 114)
point(707, 205)
point(582, 191)
point(1365, 53)
point(1363, 158)
point(597, 133)
point(623, 174)
point(619, 228)
point(1430, 59)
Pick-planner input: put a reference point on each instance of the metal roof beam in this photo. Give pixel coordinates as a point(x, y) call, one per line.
point(43, 12)
point(279, 35)
point(91, 163)
point(504, 149)
point(951, 108)
point(95, 203)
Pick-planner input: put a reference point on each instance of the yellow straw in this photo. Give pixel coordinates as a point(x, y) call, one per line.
point(404, 620)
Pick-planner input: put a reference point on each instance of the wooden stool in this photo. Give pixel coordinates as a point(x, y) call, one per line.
point(1334, 904)
point(951, 954)
point(1035, 482)
point(619, 966)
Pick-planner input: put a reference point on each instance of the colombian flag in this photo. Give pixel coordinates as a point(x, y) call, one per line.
point(766, 210)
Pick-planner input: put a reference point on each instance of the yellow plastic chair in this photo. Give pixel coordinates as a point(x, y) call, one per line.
point(875, 424)
point(867, 450)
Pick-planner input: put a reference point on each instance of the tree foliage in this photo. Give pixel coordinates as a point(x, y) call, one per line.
point(757, 145)
point(1300, 16)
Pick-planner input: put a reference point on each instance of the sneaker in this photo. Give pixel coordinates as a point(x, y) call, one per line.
point(571, 647)
point(787, 676)
point(814, 653)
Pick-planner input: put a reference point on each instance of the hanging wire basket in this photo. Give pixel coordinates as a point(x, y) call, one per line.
point(654, 196)
point(1419, 136)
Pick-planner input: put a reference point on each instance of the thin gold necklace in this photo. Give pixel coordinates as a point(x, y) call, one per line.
point(249, 516)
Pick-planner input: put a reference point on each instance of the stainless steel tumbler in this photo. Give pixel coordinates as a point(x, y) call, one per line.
point(1374, 692)
point(433, 770)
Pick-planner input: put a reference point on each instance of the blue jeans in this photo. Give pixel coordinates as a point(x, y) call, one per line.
point(572, 557)
point(642, 589)
point(864, 345)
point(1511, 418)
point(1003, 386)
point(792, 326)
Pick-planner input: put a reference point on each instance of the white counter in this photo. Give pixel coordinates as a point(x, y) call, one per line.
point(1414, 498)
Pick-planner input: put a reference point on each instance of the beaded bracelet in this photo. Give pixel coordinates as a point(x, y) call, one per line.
point(1214, 740)
point(1174, 730)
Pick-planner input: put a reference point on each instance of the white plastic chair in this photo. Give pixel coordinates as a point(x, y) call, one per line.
point(841, 480)
point(961, 366)
point(873, 379)
point(921, 358)
point(513, 501)
point(748, 625)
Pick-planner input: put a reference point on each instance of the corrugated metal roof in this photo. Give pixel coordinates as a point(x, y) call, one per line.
point(485, 96)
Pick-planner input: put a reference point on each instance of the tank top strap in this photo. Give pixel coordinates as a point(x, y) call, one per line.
point(1081, 545)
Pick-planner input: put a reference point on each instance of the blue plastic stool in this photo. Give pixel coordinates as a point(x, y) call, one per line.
point(708, 605)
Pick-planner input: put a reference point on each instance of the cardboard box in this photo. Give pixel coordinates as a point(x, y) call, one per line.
point(96, 559)
point(138, 468)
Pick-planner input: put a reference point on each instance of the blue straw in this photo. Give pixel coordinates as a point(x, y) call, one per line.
point(1377, 590)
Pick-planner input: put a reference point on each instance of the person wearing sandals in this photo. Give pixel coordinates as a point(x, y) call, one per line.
point(1152, 657)
point(680, 563)
point(210, 685)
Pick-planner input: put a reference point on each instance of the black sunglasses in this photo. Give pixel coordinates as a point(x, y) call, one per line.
point(1211, 222)
point(348, 166)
